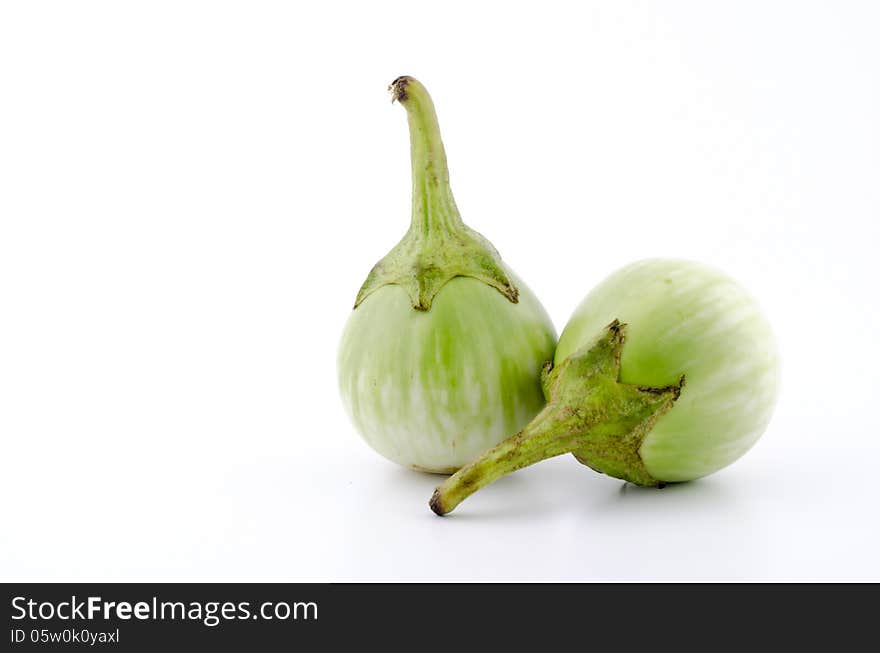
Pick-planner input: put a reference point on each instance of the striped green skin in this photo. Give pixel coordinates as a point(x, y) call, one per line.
point(432, 389)
point(687, 318)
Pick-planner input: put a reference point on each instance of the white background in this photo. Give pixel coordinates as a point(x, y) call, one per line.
point(192, 193)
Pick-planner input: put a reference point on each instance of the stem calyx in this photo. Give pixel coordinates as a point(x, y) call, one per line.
point(589, 413)
point(438, 245)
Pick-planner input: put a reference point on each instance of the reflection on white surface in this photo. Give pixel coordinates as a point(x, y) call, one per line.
point(341, 513)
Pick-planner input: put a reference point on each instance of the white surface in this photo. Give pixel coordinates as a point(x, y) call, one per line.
point(192, 193)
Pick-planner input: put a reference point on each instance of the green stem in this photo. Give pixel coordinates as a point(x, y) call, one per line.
point(438, 246)
point(433, 206)
point(591, 414)
point(538, 441)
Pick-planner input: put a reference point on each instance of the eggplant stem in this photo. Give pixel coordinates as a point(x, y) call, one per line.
point(591, 414)
point(438, 246)
point(433, 207)
point(538, 441)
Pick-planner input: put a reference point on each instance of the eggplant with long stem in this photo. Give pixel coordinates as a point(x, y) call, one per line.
point(442, 355)
point(666, 372)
